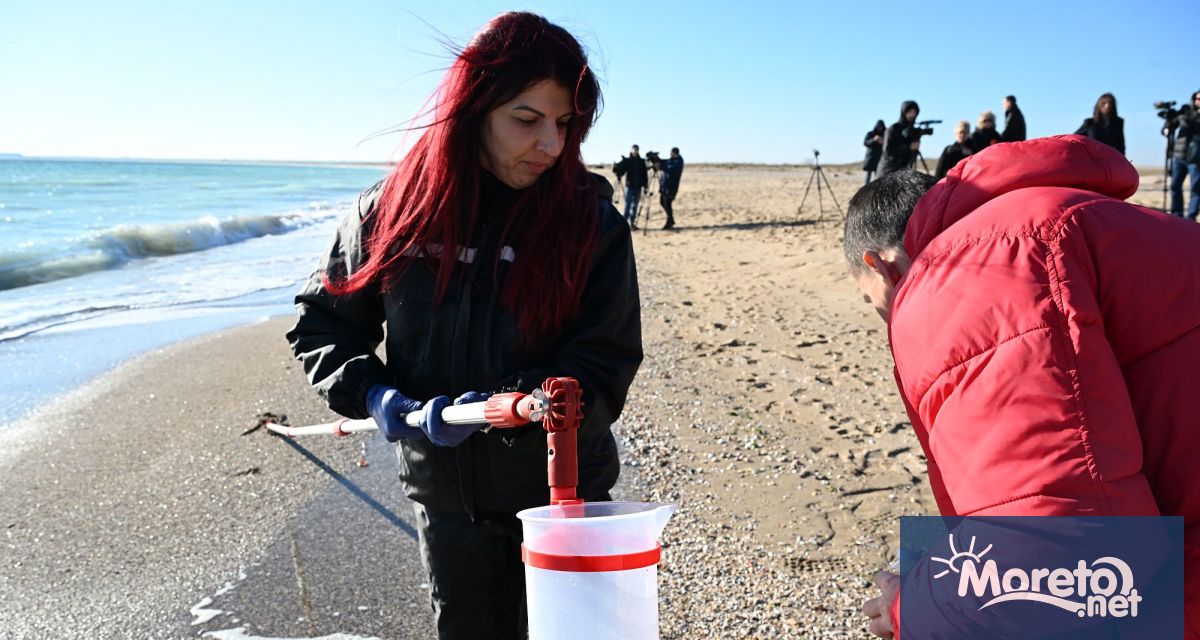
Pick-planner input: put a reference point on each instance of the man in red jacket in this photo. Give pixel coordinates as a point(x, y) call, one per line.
point(1046, 336)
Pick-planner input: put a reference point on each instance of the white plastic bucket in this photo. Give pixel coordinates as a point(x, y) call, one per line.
point(591, 570)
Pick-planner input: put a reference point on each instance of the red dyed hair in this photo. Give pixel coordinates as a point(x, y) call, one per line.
point(432, 196)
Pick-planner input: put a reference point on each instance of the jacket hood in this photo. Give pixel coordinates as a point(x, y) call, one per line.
point(1061, 161)
point(904, 107)
point(880, 125)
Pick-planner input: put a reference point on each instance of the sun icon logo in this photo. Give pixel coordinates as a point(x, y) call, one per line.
point(957, 558)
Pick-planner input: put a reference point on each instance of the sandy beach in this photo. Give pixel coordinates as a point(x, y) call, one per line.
point(765, 408)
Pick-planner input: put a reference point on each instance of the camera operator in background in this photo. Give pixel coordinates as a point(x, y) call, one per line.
point(902, 141)
point(1105, 125)
point(955, 152)
point(633, 169)
point(670, 172)
point(874, 144)
point(1185, 154)
point(985, 132)
point(1014, 121)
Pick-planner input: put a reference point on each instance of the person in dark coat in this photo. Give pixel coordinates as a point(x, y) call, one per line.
point(901, 143)
point(985, 132)
point(1105, 125)
point(1185, 158)
point(954, 153)
point(874, 144)
point(637, 181)
point(1014, 121)
point(488, 260)
point(671, 172)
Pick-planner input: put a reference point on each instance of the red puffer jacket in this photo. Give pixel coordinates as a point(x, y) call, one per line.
point(1047, 342)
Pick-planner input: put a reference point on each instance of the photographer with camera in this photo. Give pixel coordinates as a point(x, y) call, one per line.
point(1104, 125)
point(633, 169)
point(670, 172)
point(902, 142)
point(1184, 125)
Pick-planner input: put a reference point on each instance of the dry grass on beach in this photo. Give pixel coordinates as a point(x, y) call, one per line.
point(765, 408)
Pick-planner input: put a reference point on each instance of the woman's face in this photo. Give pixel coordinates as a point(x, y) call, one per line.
point(961, 135)
point(523, 137)
point(1106, 106)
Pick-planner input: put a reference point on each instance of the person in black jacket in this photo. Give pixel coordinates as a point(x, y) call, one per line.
point(1105, 125)
point(1014, 121)
point(985, 134)
point(902, 141)
point(874, 144)
point(489, 260)
point(637, 181)
point(955, 152)
point(1185, 158)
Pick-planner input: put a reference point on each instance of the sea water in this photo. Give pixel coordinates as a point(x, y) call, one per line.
point(101, 259)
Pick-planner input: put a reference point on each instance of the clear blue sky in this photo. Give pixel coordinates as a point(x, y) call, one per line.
point(725, 81)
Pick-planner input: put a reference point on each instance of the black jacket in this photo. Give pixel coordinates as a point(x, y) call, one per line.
point(1187, 135)
point(983, 138)
point(874, 149)
point(471, 341)
point(1014, 125)
point(897, 142)
point(1110, 131)
point(634, 171)
point(951, 156)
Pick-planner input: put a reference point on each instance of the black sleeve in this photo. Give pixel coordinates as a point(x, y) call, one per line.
point(1083, 128)
point(335, 337)
point(1119, 135)
point(942, 162)
point(602, 347)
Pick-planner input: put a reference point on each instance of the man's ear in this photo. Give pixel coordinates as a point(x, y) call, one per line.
point(887, 269)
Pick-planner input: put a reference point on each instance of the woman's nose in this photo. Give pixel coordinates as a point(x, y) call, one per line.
point(551, 139)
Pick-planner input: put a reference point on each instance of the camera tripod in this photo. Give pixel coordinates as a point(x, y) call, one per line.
point(1169, 132)
point(648, 196)
point(818, 175)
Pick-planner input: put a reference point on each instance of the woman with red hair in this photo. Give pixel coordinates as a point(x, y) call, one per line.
point(494, 260)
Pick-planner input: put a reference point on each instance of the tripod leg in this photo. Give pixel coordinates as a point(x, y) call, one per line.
point(820, 201)
point(835, 202)
point(800, 209)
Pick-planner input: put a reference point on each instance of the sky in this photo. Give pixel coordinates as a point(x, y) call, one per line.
point(748, 81)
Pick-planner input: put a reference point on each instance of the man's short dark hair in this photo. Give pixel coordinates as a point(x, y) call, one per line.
point(674, 149)
point(1012, 99)
point(637, 147)
point(879, 212)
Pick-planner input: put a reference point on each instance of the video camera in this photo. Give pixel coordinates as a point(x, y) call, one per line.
point(923, 127)
point(1166, 109)
point(652, 157)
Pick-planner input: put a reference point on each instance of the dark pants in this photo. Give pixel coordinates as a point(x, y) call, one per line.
point(476, 578)
point(666, 197)
point(1179, 171)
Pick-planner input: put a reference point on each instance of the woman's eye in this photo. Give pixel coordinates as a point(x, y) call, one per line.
point(526, 122)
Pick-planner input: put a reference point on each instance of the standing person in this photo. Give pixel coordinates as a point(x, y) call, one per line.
point(1185, 158)
point(1105, 125)
point(1044, 338)
point(955, 152)
point(902, 142)
point(985, 132)
point(1014, 121)
point(670, 172)
point(633, 167)
point(494, 261)
point(874, 144)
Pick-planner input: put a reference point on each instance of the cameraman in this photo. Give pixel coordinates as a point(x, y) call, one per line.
point(671, 171)
point(1185, 157)
point(902, 141)
point(633, 167)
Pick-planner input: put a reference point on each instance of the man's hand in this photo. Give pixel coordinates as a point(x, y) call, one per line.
point(915, 145)
point(878, 609)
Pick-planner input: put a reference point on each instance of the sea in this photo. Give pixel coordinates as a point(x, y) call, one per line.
point(101, 260)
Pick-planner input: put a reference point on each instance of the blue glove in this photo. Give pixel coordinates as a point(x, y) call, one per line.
point(388, 406)
point(449, 435)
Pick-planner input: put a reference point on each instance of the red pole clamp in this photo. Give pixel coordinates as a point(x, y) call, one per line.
point(562, 426)
point(508, 409)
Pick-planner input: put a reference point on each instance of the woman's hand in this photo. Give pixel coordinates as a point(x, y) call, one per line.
point(389, 407)
point(449, 435)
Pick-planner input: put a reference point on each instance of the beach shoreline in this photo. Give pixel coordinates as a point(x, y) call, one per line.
point(765, 408)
